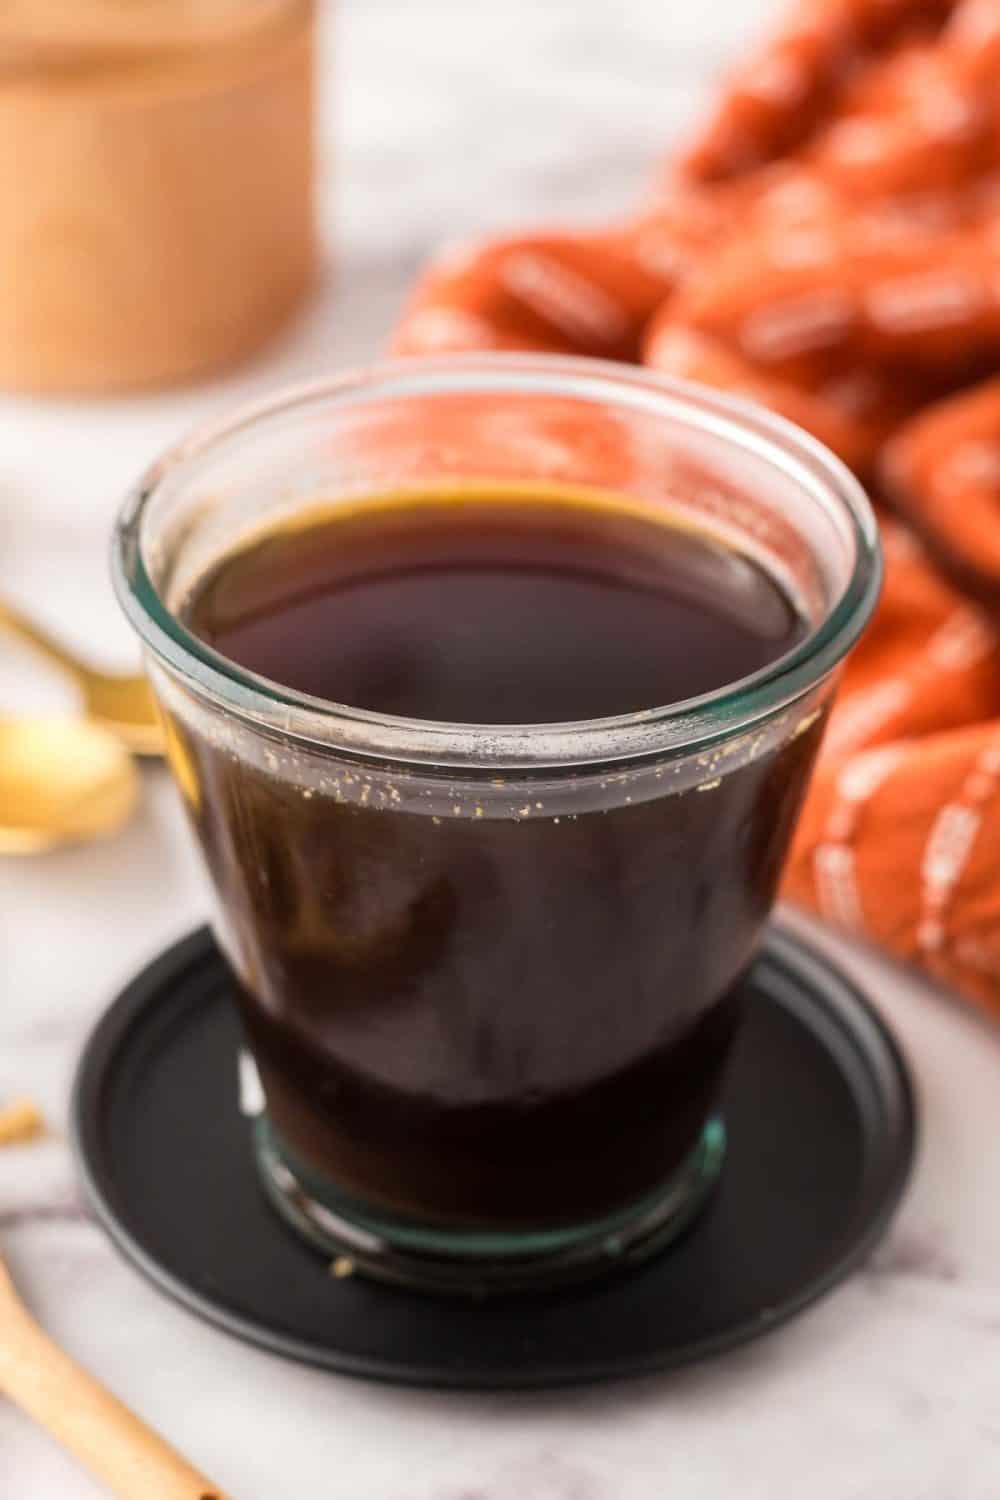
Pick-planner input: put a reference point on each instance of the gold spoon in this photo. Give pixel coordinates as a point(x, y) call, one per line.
point(132, 1460)
point(62, 781)
point(123, 704)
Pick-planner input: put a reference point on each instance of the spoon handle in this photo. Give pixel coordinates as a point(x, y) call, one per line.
point(104, 1435)
point(13, 620)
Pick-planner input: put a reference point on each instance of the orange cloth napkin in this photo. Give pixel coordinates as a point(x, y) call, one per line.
point(829, 244)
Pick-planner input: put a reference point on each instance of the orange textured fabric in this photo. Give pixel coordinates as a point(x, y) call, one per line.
point(829, 245)
point(774, 103)
point(942, 469)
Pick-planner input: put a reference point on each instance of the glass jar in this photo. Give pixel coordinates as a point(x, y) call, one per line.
point(540, 1101)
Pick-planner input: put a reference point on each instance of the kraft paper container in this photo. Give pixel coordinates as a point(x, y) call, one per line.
point(156, 186)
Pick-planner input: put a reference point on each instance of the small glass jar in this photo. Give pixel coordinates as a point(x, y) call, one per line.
point(541, 1102)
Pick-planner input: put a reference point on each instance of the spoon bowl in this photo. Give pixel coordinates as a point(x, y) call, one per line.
point(124, 706)
point(62, 781)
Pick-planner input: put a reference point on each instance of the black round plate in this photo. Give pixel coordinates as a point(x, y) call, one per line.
point(820, 1115)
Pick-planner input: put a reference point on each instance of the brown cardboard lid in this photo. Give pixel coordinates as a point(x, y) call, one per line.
point(61, 31)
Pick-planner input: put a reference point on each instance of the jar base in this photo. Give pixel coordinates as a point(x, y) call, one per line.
point(477, 1263)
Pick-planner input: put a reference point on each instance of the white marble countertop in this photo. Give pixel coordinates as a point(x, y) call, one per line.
point(446, 118)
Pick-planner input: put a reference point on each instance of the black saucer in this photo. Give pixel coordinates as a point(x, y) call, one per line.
point(820, 1116)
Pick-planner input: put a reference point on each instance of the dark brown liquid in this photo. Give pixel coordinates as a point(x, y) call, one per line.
point(497, 1008)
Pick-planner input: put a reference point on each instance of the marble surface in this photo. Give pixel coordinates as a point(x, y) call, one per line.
point(446, 118)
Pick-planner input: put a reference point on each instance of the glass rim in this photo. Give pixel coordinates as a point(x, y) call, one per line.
point(682, 727)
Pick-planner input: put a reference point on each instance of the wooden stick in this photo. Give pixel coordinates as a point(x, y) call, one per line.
point(132, 1460)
